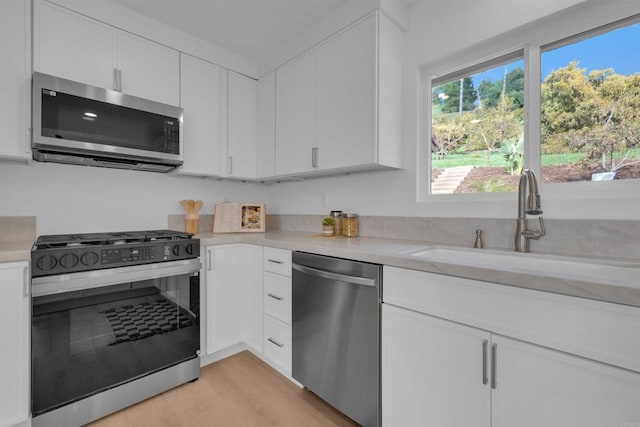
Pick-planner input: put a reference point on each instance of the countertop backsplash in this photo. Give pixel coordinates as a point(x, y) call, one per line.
point(597, 238)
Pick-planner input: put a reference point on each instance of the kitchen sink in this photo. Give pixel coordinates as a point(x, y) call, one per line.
point(563, 267)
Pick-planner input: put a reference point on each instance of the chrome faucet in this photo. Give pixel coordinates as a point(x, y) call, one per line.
point(528, 204)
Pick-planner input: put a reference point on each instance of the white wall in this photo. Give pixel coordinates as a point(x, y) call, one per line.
point(436, 29)
point(77, 199)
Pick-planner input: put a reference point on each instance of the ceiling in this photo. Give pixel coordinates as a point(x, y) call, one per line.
point(252, 28)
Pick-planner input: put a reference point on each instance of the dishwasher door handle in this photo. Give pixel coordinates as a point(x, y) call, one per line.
point(334, 276)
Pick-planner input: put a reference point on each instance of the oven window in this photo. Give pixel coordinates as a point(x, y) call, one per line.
point(76, 118)
point(87, 341)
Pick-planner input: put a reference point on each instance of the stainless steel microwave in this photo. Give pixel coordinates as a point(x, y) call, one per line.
point(85, 125)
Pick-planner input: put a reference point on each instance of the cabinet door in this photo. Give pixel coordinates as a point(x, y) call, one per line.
point(251, 260)
point(148, 70)
point(538, 387)
point(432, 371)
point(296, 114)
point(242, 126)
point(73, 47)
point(200, 99)
point(15, 356)
point(224, 297)
point(347, 98)
point(267, 126)
point(15, 79)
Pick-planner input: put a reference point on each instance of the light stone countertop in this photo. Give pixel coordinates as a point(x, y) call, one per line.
point(392, 252)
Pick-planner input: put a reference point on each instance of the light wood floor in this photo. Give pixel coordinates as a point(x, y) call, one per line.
point(239, 391)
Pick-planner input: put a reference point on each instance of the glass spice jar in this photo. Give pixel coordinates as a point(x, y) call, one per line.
point(337, 224)
point(350, 225)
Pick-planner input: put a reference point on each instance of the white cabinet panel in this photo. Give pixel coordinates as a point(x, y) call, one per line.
point(15, 356)
point(253, 304)
point(277, 261)
point(277, 344)
point(148, 70)
point(242, 126)
point(15, 79)
point(538, 387)
point(74, 47)
point(348, 97)
point(267, 126)
point(432, 372)
point(296, 114)
point(277, 296)
point(201, 100)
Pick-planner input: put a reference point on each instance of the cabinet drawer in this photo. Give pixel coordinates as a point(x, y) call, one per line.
point(277, 261)
point(277, 343)
point(277, 296)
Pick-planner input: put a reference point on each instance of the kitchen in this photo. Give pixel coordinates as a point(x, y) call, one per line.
point(72, 199)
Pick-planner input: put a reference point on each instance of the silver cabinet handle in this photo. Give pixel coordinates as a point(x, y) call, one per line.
point(26, 281)
point(485, 376)
point(119, 80)
point(275, 297)
point(230, 165)
point(273, 341)
point(314, 157)
point(334, 276)
point(494, 355)
point(275, 261)
point(115, 79)
point(209, 260)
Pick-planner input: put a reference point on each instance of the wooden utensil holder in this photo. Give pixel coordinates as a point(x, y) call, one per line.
point(192, 223)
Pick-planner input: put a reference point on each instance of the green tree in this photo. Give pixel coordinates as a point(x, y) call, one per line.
point(448, 96)
point(513, 85)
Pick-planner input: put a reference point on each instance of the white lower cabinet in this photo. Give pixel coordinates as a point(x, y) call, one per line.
point(233, 297)
point(432, 372)
point(447, 359)
point(15, 353)
point(277, 308)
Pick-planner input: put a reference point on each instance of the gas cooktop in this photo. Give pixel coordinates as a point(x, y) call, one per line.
point(70, 253)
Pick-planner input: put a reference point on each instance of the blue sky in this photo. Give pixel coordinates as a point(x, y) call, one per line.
point(618, 49)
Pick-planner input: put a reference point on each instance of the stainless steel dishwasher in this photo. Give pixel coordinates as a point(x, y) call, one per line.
point(336, 333)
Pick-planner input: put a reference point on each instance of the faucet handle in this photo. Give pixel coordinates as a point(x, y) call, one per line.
point(535, 234)
point(542, 230)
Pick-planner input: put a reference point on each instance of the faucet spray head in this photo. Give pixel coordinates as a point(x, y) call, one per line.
point(534, 206)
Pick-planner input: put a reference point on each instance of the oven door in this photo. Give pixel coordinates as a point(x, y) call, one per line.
point(92, 331)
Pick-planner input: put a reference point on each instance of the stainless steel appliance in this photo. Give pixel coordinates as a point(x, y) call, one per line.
point(115, 320)
point(336, 333)
point(84, 125)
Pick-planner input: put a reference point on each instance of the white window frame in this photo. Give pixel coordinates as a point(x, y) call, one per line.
point(556, 29)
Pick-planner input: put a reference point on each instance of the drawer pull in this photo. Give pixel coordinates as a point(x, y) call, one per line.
point(272, 341)
point(275, 297)
point(275, 261)
point(485, 376)
point(494, 365)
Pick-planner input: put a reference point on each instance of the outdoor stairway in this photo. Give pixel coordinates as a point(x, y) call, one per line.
point(449, 179)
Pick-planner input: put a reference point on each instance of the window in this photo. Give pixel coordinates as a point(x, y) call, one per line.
point(590, 108)
point(585, 113)
point(477, 128)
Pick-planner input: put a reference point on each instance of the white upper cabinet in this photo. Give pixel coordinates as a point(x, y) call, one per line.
point(242, 126)
point(266, 126)
point(339, 105)
point(296, 114)
point(15, 79)
point(200, 98)
point(74, 47)
point(347, 97)
point(148, 70)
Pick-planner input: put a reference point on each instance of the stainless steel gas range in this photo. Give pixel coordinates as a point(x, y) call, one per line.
point(115, 320)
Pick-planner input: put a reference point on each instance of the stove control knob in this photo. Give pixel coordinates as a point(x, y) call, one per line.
point(69, 260)
point(176, 250)
point(89, 259)
point(189, 249)
point(46, 263)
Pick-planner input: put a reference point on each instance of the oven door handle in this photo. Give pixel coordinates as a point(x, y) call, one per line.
point(111, 276)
